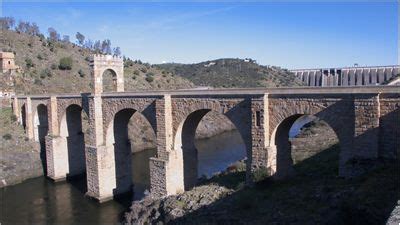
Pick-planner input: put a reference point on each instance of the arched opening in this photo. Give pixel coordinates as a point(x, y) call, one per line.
point(208, 143)
point(305, 139)
point(109, 81)
point(23, 116)
point(73, 146)
point(132, 140)
point(41, 129)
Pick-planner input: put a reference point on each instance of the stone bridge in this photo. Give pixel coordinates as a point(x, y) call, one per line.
point(366, 121)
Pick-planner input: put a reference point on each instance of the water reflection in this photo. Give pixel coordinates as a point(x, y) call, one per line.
point(40, 201)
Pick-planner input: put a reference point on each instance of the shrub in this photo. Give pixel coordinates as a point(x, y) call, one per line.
point(40, 57)
point(7, 136)
point(134, 77)
point(136, 72)
point(149, 79)
point(45, 73)
point(150, 74)
point(53, 66)
point(37, 81)
point(29, 63)
point(81, 73)
point(144, 70)
point(65, 63)
point(87, 58)
point(13, 118)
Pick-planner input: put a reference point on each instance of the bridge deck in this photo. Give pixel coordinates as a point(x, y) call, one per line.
point(243, 91)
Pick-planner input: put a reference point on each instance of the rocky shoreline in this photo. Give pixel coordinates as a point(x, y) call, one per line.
point(20, 158)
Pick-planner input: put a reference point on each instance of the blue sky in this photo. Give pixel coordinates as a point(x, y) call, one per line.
point(291, 34)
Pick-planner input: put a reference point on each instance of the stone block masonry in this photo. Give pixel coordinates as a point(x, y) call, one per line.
point(365, 120)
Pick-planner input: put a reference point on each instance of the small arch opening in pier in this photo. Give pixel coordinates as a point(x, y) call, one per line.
point(41, 128)
point(131, 141)
point(109, 81)
point(205, 151)
point(23, 116)
point(72, 125)
point(305, 142)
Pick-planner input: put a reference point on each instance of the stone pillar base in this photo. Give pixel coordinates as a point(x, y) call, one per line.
point(100, 170)
point(158, 179)
point(56, 158)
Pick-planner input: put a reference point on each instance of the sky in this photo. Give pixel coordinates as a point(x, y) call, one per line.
point(291, 34)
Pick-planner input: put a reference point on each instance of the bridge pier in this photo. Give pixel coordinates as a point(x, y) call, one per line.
point(166, 171)
point(57, 161)
point(100, 169)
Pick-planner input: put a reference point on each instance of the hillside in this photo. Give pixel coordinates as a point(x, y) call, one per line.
point(230, 73)
point(39, 60)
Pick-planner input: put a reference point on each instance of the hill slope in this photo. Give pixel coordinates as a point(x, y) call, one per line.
point(232, 73)
point(39, 60)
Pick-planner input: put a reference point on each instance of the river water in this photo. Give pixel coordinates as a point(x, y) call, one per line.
point(40, 201)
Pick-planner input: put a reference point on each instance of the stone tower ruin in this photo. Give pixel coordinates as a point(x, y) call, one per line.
point(102, 63)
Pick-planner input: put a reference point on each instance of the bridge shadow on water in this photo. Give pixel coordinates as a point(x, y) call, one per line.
point(315, 194)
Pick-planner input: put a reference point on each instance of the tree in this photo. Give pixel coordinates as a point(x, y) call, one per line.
point(65, 63)
point(106, 46)
point(117, 51)
point(97, 47)
point(89, 44)
point(33, 29)
point(80, 37)
point(53, 35)
point(7, 23)
point(22, 27)
point(65, 38)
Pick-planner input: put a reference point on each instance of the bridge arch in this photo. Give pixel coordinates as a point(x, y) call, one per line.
point(280, 140)
point(128, 174)
point(41, 128)
point(23, 116)
point(185, 152)
point(72, 144)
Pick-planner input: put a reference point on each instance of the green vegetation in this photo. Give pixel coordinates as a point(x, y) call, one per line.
point(149, 79)
point(46, 54)
point(314, 195)
point(229, 73)
point(65, 63)
point(7, 136)
point(29, 64)
point(81, 73)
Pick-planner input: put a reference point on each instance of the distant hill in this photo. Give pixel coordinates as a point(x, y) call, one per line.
point(39, 59)
point(231, 73)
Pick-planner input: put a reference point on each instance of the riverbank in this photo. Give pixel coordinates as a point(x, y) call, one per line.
point(20, 158)
point(315, 195)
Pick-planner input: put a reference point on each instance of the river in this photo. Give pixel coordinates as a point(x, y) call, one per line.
point(40, 201)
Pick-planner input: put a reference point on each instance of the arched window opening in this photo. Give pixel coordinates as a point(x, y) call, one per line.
point(109, 81)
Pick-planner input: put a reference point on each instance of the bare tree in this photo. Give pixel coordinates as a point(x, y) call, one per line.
point(65, 38)
point(89, 44)
point(53, 35)
point(117, 51)
point(34, 29)
point(22, 27)
point(7, 23)
point(80, 37)
point(106, 46)
point(97, 47)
